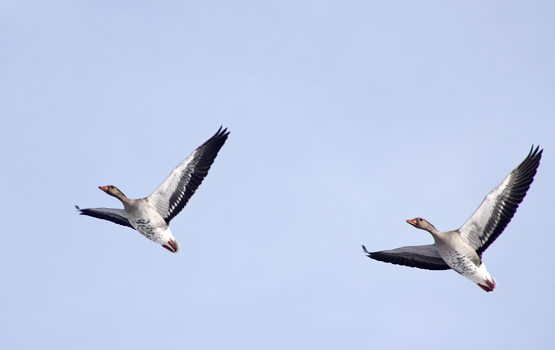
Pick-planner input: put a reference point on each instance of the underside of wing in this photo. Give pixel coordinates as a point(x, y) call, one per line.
point(174, 193)
point(500, 205)
point(422, 257)
point(114, 215)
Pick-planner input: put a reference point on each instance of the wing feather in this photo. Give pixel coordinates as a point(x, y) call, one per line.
point(114, 215)
point(174, 193)
point(422, 257)
point(500, 205)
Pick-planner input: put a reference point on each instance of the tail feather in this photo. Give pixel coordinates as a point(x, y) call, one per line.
point(489, 285)
point(483, 279)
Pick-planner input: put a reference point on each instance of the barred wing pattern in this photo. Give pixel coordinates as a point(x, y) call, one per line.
point(174, 193)
point(500, 205)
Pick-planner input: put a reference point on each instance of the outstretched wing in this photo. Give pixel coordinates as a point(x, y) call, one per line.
point(499, 206)
point(114, 215)
point(423, 257)
point(174, 193)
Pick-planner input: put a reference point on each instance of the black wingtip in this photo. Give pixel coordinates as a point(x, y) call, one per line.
point(365, 251)
point(532, 161)
point(534, 152)
point(218, 139)
point(81, 211)
point(221, 132)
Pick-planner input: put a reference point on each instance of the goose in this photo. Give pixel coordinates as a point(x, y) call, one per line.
point(461, 250)
point(152, 215)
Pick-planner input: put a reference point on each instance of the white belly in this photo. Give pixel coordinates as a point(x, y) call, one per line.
point(149, 223)
point(152, 230)
point(459, 262)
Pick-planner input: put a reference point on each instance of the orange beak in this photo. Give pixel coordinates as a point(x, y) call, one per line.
point(412, 222)
point(103, 188)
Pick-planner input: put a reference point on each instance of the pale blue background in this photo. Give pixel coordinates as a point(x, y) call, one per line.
point(346, 119)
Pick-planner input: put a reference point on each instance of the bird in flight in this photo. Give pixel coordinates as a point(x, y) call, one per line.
point(461, 250)
point(152, 215)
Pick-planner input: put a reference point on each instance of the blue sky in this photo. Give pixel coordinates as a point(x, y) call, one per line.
point(346, 119)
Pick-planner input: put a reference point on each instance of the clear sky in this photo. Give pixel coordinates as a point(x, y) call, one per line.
point(346, 117)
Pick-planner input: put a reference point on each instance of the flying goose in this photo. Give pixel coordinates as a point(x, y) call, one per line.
point(152, 215)
point(461, 250)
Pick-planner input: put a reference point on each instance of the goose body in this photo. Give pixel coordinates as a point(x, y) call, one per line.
point(461, 250)
point(458, 255)
point(151, 216)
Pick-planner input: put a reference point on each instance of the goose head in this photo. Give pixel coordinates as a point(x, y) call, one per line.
point(113, 191)
point(171, 244)
point(421, 224)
